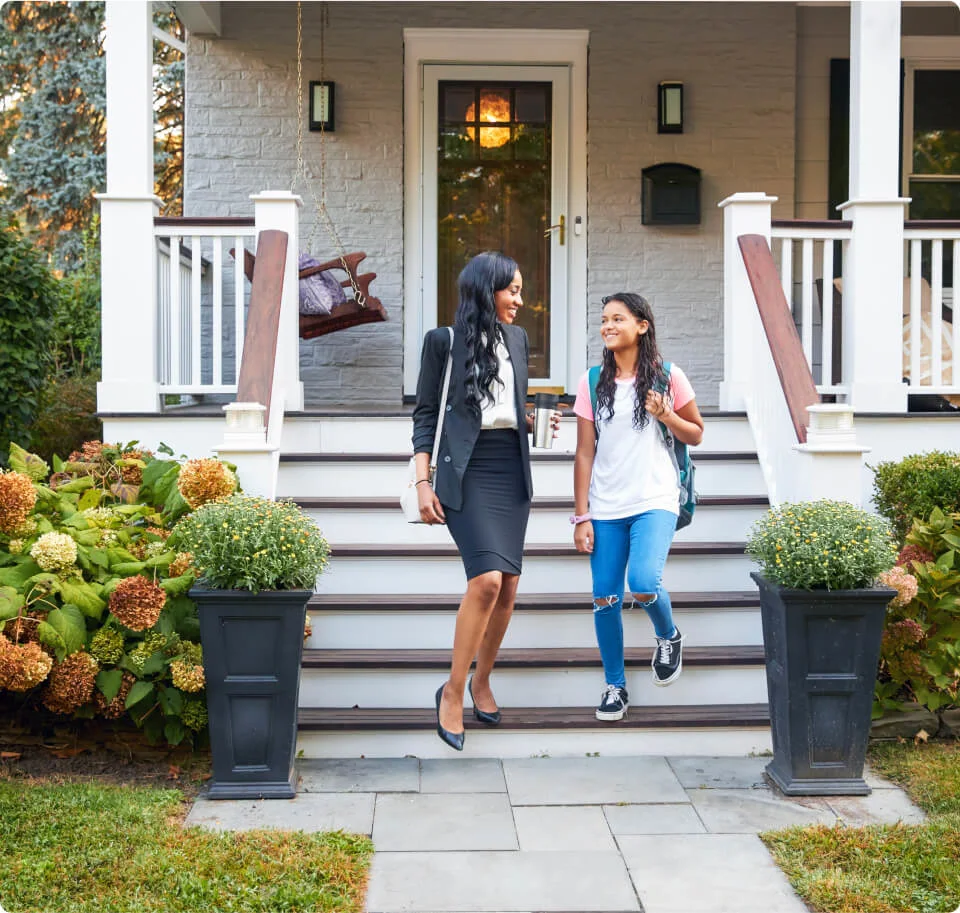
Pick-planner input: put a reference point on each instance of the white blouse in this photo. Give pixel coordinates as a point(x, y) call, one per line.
point(502, 412)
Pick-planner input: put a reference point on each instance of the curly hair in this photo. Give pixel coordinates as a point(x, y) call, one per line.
point(476, 321)
point(650, 373)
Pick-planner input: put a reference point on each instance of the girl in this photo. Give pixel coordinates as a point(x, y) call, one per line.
point(483, 484)
point(626, 492)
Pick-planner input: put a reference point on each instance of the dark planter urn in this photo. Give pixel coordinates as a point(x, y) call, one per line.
point(252, 647)
point(822, 648)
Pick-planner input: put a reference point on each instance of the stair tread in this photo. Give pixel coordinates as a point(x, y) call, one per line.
point(706, 456)
point(525, 601)
point(638, 717)
point(534, 550)
point(563, 503)
point(544, 657)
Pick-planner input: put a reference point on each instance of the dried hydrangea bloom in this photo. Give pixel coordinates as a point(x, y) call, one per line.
point(17, 498)
point(194, 714)
point(106, 646)
point(113, 710)
point(22, 629)
point(911, 553)
point(71, 683)
point(133, 475)
point(181, 565)
point(54, 551)
point(307, 628)
point(903, 582)
point(205, 480)
point(22, 666)
point(137, 602)
point(186, 676)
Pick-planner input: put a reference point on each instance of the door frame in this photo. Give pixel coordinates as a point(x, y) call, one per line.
point(493, 47)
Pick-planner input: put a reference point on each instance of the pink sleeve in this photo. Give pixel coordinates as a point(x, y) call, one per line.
point(680, 388)
point(582, 406)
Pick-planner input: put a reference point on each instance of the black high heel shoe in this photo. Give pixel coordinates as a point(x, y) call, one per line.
point(491, 719)
point(453, 739)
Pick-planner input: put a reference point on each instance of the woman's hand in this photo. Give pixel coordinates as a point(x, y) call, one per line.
point(431, 511)
point(554, 422)
point(583, 537)
point(657, 405)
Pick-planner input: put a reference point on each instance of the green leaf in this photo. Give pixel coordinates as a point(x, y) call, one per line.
point(109, 682)
point(155, 662)
point(99, 557)
point(178, 586)
point(57, 464)
point(77, 485)
point(155, 471)
point(51, 637)
point(139, 692)
point(88, 536)
point(69, 623)
point(945, 561)
point(18, 575)
point(28, 463)
point(10, 602)
point(84, 596)
point(171, 701)
point(126, 492)
point(128, 569)
point(91, 498)
point(174, 731)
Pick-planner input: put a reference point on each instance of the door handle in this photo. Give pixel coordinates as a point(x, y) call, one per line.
point(561, 226)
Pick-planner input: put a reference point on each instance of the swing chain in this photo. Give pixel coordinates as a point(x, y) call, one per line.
point(320, 204)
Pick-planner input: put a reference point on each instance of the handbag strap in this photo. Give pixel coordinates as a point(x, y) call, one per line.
point(443, 411)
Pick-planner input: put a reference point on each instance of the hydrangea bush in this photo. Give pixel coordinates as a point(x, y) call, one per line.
point(94, 614)
point(822, 545)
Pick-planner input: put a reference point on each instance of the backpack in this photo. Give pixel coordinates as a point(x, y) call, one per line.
point(679, 452)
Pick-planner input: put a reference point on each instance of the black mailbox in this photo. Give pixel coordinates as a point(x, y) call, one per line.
point(671, 194)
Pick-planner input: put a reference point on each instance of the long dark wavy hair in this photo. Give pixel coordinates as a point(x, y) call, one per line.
point(650, 375)
point(476, 321)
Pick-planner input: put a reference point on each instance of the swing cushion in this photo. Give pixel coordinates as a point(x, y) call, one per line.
point(320, 292)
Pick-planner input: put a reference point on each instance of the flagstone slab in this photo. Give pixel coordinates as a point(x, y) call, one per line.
point(625, 820)
point(720, 773)
point(443, 822)
point(591, 781)
point(884, 806)
point(462, 775)
point(708, 873)
point(547, 882)
point(361, 775)
point(559, 827)
point(751, 811)
point(311, 812)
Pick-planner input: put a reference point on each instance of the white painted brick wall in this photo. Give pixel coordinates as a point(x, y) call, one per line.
point(737, 63)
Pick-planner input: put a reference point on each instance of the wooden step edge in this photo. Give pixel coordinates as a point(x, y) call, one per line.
point(391, 503)
point(543, 658)
point(706, 456)
point(702, 716)
point(405, 411)
point(526, 602)
point(449, 550)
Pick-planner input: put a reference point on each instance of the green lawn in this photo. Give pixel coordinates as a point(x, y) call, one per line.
point(898, 869)
point(78, 847)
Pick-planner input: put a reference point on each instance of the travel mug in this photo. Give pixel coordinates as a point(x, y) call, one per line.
point(544, 405)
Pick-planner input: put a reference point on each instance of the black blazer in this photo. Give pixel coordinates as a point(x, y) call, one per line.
point(461, 426)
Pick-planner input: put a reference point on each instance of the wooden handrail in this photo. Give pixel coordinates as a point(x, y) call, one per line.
point(933, 224)
point(796, 380)
point(263, 321)
point(827, 224)
point(201, 221)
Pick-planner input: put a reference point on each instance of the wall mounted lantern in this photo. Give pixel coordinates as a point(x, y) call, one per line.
point(321, 106)
point(670, 107)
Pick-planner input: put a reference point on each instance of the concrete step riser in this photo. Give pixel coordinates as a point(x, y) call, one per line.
point(546, 526)
point(541, 687)
point(393, 435)
point(529, 629)
point(356, 479)
point(492, 743)
point(693, 573)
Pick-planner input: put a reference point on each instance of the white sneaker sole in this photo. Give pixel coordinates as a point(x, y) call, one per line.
point(662, 683)
point(612, 716)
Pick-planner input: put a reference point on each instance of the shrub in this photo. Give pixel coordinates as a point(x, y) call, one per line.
point(246, 543)
point(66, 415)
point(912, 487)
point(817, 545)
point(920, 653)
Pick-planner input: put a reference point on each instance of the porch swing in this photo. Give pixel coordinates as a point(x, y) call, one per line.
point(362, 307)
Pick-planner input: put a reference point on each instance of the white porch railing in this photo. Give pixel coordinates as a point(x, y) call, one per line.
point(931, 261)
point(202, 296)
point(810, 257)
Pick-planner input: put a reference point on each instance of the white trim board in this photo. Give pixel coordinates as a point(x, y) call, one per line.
point(523, 47)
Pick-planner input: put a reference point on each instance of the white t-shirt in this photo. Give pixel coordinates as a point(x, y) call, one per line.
point(502, 412)
point(632, 469)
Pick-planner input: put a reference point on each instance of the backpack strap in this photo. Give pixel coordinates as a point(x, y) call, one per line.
point(593, 380)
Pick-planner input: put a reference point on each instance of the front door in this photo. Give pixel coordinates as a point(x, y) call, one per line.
point(495, 177)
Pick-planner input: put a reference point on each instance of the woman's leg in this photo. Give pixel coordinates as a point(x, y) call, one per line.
point(651, 535)
point(473, 616)
point(608, 562)
point(490, 645)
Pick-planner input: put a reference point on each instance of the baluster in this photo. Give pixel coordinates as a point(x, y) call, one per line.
point(786, 270)
point(954, 303)
point(936, 313)
point(915, 333)
point(806, 299)
point(196, 332)
point(826, 314)
point(217, 311)
point(238, 314)
point(175, 304)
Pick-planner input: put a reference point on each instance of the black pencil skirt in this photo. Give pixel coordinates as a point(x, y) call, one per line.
point(490, 527)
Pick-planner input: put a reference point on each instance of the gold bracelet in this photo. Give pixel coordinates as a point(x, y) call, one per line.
point(421, 481)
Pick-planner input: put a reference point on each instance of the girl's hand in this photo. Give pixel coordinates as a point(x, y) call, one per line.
point(583, 537)
point(657, 405)
point(555, 423)
point(431, 511)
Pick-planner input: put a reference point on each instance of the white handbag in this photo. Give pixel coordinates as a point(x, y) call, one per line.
point(409, 501)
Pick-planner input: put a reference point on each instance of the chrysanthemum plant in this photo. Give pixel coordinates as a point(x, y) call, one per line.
point(94, 612)
point(822, 545)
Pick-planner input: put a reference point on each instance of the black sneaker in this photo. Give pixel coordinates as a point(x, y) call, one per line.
point(667, 660)
point(613, 704)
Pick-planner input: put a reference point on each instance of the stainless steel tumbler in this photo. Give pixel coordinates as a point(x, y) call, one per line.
point(544, 405)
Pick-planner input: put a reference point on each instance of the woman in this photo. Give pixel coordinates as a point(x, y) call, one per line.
point(626, 491)
point(483, 480)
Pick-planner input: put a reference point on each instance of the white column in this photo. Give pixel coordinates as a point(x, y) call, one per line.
point(743, 214)
point(280, 210)
point(830, 463)
point(873, 265)
point(127, 209)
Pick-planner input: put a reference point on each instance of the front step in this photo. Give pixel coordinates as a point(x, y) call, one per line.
point(719, 729)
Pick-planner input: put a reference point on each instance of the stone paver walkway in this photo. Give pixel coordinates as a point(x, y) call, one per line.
point(568, 835)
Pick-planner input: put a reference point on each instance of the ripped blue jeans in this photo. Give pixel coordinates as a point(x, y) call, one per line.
point(636, 548)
